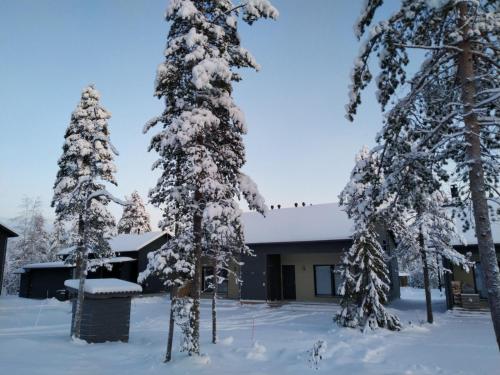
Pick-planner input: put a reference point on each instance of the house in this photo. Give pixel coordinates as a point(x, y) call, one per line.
point(43, 280)
point(297, 252)
point(5, 234)
point(460, 283)
point(296, 255)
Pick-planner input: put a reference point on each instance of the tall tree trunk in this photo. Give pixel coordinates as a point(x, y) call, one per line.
point(83, 256)
point(214, 301)
point(196, 286)
point(171, 324)
point(427, 284)
point(487, 255)
point(438, 270)
point(80, 248)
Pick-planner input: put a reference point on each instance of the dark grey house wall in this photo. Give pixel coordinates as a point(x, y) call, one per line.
point(43, 282)
point(3, 255)
point(255, 268)
point(152, 284)
point(254, 273)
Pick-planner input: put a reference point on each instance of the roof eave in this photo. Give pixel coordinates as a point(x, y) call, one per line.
point(10, 232)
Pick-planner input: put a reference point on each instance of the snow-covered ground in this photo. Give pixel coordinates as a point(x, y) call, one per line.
point(254, 339)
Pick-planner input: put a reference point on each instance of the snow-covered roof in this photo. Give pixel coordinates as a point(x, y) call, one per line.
point(317, 222)
point(469, 236)
point(10, 232)
point(101, 286)
point(61, 264)
point(123, 243)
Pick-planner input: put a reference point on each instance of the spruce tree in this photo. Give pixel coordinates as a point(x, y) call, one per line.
point(365, 275)
point(80, 194)
point(200, 144)
point(452, 101)
point(135, 219)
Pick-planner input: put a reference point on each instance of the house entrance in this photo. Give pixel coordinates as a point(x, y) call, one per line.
point(273, 277)
point(288, 273)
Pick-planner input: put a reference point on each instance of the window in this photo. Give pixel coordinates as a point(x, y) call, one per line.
point(207, 280)
point(327, 281)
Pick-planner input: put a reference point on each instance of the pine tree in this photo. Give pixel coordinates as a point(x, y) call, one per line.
point(135, 219)
point(80, 194)
point(425, 235)
point(364, 273)
point(453, 100)
point(200, 145)
point(60, 238)
point(32, 245)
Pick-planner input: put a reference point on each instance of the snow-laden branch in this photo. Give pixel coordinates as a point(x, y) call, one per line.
point(107, 194)
point(108, 141)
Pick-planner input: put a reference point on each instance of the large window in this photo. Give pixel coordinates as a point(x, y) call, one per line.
point(326, 281)
point(207, 280)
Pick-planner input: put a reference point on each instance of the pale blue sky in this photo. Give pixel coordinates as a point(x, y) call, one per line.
point(299, 146)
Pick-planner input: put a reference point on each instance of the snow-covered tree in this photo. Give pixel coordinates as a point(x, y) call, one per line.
point(135, 218)
point(200, 144)
point(425, 234)
point(452, 102)
point(80, 194)
point(365, 276)
point(32, 245)
point(60, 237)
point(224, 244)
point(85, 166)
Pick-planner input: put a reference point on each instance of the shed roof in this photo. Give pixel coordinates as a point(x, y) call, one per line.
point(105, 286)
point(10, 233)
point(124, 243)
point(319, 222)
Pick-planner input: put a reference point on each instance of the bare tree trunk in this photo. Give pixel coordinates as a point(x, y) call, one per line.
point(196, 286)
point(489, 262)
point(427, 284)
point(214, 301)
point(171, 324)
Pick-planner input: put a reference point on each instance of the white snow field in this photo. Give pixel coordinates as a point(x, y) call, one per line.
point(253, 339)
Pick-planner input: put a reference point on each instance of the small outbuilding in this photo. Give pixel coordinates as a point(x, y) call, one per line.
point(106, 308)
point(5, 234)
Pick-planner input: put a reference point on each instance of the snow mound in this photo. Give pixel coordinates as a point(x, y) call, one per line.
point(257, 353)
point(227, 341)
